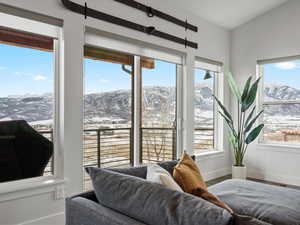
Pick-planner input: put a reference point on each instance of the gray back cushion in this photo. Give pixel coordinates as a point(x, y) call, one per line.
point(152, 203)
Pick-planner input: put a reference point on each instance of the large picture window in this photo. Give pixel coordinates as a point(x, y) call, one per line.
point(108, 109)
point(280, 100)
point(206, 79)
point(159, 112)
point(27, 104)
point(130, 109)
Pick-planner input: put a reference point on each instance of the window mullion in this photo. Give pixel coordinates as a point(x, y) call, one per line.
point(179, 109)
point(57, 170)
point(259, 101)
point(136, 123)
point(218, 121)
point(215, 110)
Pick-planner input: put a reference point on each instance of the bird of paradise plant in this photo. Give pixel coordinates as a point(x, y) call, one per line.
point(242, 133)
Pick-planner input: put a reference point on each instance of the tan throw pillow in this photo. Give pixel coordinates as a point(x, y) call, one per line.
point(199, 192)
point(187, 174)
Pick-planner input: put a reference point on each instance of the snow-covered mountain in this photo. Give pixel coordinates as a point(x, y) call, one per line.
point(158, 103)
point(38, 108)
point(276, 92)
point(280, 92)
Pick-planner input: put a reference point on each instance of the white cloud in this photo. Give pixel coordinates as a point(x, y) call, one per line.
point(286, 65)
point(2, 68)
point(103, 81)
point(40, 77)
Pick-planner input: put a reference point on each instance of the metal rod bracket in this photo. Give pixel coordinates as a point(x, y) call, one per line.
point(155, 12)
point(84, 10)
point(150, 12)
point(150, 30)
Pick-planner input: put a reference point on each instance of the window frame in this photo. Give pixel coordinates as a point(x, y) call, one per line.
point(178, 109)
point(105, 41)
point(218, 85)
point(260, 103)
point(27, 25)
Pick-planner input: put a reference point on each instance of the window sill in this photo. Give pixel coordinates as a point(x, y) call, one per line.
point(209, 154)
point(287, 148)
point(28, 187)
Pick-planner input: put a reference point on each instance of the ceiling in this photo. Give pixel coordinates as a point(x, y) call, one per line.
point(228, 13)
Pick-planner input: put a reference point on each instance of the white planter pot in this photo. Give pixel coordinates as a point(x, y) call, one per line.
point(239, 172)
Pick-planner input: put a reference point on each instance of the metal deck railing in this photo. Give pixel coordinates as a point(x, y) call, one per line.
point(113, 147)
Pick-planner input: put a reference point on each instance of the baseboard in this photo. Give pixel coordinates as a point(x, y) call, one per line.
point(216, 173)
point(278, 178)
point(57, 219)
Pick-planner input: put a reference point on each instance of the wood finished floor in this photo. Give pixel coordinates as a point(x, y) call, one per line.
point(220, 179)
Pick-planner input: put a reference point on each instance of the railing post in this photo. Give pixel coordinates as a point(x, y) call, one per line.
point(52, 161)
point(98, 148)
point(174, 144)
point(141, 150)
point(131, 149)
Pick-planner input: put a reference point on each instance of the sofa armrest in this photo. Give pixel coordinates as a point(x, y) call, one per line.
point(81, 211)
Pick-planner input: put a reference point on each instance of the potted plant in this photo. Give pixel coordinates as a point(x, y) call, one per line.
point(241, 132)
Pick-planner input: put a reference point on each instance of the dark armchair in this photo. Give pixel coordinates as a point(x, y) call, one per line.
point(24, 153)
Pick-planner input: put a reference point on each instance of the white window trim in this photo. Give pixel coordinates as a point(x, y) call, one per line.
point(137, 111)
point(58, 70)
point(219, 121)
point(260, 103)
point(27, 25)
point(27, 187)
point(179, 109)
point(216, 67)
point(104, 41)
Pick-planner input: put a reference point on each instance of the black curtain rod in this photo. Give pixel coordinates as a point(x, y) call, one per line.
point(84, 10)
point(154, 12)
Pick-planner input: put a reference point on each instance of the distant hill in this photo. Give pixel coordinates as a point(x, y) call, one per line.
point(159, 104)
point(280, 92)
point(276, 92)
point(29, 108)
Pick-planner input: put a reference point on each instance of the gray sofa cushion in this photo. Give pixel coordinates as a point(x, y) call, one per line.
point(81, 211)
point(152, 203)
point(269, 203)
point(247, 220)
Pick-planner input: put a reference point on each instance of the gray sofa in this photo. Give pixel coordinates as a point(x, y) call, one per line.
point(273, 205)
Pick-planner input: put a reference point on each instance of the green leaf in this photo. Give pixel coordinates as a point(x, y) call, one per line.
point(251, 96)
point(249, 126)
point(233, 86)
point(223, 108)
point(254, 134)
point(229, 123)
point(249, 116)
point(246, 89)
point(232, 140)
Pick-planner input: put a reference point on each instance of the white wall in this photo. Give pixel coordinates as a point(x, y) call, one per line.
point(272, 35)
point(38, 206)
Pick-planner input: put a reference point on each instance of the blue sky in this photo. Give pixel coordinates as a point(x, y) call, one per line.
point(286, 73)
point(25, 71)
point(28, 71)
point(103, 76)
